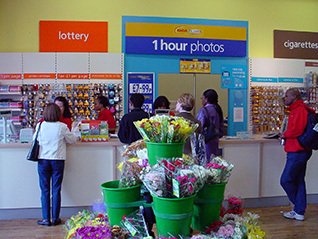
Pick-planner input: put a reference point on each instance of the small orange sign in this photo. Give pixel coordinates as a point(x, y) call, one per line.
point(73, 36)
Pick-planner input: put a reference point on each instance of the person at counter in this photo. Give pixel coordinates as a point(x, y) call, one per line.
point(66, 116)
point(211, 118)
point(293, 177)
point(127, 132)
point(101, 105)
point(161, 105)
point(53, 136)
point(184, 106)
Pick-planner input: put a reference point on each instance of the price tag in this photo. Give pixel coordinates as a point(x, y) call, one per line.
point(147, 107)
point(141, 88)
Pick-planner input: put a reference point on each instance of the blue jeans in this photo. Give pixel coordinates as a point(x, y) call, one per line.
point(51, 169)
point(293, 179)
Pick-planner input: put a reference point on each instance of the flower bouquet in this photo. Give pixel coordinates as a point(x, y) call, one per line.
point(165, 129)
point(218, 170)
point(130, 172)
point(134, 160)
point(88, 225)
point(174, 178)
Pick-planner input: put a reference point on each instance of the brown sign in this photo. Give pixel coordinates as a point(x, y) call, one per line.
point(292, 44)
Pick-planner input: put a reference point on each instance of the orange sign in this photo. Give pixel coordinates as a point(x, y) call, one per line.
point(10, 76)
point(72, 76)
point(71, 36)
point(115, 76)
point(39, 76)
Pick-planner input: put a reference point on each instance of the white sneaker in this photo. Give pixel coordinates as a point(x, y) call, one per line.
point(294, 215)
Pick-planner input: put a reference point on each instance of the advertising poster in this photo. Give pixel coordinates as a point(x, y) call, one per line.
point(202, 66)
point(142, 83)
point(234, 77)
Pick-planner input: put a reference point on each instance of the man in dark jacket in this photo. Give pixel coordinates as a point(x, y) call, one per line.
point(293, 176)
point(127, 132)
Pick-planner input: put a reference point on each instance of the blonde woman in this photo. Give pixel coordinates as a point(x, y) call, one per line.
point(184, 106)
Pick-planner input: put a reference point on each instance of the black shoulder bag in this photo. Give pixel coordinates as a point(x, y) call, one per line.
point(33, 154)
point(209, 130)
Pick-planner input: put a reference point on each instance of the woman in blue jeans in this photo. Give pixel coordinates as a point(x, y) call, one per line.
point(53, 136)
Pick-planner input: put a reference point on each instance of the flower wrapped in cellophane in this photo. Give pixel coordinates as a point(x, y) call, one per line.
point(218, 170)
point(174, 178)
point(134, 160)
point(136, 225)
point(233, 226)
point(165, 129)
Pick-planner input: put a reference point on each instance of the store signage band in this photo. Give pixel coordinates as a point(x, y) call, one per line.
point(296, 45)
point(185, 39)
point(73, 36)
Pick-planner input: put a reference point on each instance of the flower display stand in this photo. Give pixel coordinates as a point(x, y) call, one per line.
point(173, 215)
point(120, 201)
point(157, 151)
point(207, 206)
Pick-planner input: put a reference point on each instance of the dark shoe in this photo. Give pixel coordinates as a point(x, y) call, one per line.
point(44, 222)
point(56, 222)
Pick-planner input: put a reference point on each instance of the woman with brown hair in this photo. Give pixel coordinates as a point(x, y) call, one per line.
point(53, 136)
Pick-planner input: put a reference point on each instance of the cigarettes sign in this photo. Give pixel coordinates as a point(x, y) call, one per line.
point(294, 44)
point(185, 39)
point(71, 36)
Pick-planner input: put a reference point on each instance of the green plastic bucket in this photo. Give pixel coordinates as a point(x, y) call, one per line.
point(173, 215)
point(120, 201)
point(157, 151)
point(207, 206)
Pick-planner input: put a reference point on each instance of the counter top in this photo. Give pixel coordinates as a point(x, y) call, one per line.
point(111, 142)
point(254, 139)
point(116, 142)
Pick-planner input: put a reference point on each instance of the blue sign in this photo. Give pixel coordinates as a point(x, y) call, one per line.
point(265, 79)
point(142, 83)
point(291, 80)
point(234, 77)
point(185, 46)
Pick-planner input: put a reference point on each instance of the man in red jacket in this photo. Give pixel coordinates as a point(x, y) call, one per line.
point(293, 177)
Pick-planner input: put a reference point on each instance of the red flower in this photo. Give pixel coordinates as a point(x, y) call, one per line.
point(214, 227)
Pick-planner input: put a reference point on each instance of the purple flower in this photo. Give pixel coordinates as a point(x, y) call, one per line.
point(89, 232)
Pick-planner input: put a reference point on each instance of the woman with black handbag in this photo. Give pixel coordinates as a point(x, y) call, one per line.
point(53, 136)
point(211, 118)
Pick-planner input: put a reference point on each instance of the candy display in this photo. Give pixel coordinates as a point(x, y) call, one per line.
point(267, 108)
point(80, 97)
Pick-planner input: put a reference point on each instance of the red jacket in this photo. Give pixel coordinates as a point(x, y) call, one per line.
point(297, 122)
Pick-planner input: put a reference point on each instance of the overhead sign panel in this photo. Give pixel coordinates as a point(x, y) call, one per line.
point(73, 36)
point(185, 39)
point(296, 45)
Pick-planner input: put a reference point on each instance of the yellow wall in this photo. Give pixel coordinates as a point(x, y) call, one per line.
point(19, 19)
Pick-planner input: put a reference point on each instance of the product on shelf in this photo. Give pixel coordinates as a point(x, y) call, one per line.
point(81, 98)
point(267, 109)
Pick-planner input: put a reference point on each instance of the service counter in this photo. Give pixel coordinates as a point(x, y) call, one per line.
point(258, 166)
point(87, 166)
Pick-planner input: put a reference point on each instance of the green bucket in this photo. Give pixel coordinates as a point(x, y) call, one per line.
point(157, 151)
point(120, 201)
point(207, 206)
point(173, 215)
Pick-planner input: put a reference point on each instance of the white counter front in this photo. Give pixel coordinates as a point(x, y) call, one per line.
point(258, 166)
point(88, 165)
